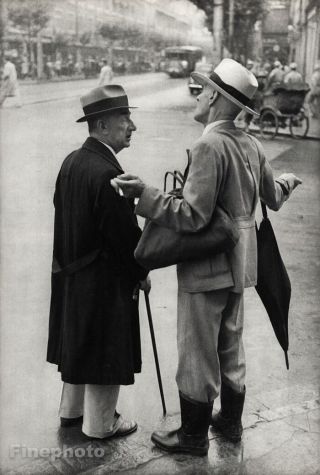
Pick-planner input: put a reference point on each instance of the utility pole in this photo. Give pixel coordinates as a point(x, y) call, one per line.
point(218, 29)
point(231, 26)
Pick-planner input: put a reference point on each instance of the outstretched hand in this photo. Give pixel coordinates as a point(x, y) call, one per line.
point(292, 180)
point(131, 185)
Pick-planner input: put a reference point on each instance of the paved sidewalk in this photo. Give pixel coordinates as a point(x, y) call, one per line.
point(281, 415)
point(282, 410)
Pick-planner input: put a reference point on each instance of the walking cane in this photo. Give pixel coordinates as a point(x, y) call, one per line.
point(154, 346)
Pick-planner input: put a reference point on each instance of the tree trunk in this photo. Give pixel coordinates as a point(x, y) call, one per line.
point(218, 29)
point(39, 57)
point(30, 45)
point(231, 26)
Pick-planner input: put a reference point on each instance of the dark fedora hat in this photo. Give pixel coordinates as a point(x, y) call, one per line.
point(103, 99)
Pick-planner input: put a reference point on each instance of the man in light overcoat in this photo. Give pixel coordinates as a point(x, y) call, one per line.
point(228, 167)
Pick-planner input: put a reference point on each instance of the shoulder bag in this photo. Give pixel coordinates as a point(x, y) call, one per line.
point(162, 247)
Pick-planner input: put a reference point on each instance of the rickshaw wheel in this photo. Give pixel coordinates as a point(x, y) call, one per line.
point(299, 125)
point(269, 124)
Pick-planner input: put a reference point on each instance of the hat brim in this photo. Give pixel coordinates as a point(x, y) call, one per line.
point(205, 81)
point(94, 114)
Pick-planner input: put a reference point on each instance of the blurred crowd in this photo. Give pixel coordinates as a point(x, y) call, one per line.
point(57, 66)
point(276, 77)
point(270, 77)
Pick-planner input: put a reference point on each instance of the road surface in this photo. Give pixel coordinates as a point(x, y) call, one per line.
point(281, 412)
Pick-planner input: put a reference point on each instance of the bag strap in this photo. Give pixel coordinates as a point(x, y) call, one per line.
point(176, 178)
point(181, 178)
point(264, 210)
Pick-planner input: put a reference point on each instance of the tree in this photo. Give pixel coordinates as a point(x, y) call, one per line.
point(111, 32)
point(207, 7)
point(129, 34)
point(29, 15)
point(246, 14)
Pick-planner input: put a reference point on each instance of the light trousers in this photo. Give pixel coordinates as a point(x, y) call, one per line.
point(210, 347)
point(97, 403)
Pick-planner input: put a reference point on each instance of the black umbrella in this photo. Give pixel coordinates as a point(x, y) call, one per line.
point(273, 285)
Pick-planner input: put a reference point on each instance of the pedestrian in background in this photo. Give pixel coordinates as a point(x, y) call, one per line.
point(228, 167)
point(257, 100)
point(24, 67)
point(313, 97)
point(293, 79)
point(106, 74)
point(275, 77)
point(10, 86)
point(94, 333)
point(57, 67)
point(49, 68)
point(250, 65)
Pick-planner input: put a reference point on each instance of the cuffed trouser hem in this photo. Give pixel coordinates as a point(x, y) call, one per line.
point(72, 401)
point(103, 435)
point(96, 402)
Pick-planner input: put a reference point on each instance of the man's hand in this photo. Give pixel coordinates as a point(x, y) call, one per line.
point(292, 180)
point(131, 185)
point(144, 285)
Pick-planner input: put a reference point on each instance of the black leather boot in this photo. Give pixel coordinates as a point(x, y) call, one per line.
point(192, 437)
point(228, 419)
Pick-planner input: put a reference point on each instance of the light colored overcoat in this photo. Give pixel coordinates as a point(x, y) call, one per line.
point(230, 167)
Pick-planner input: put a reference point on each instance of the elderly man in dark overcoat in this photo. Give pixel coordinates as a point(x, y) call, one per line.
point(94, 335)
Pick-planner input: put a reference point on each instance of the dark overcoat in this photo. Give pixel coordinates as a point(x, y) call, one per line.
point(94, 335)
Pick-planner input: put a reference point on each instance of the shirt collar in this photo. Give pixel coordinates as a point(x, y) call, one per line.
point(108, 146)
point(213, 124)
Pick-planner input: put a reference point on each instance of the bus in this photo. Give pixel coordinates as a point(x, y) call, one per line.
point(179, 61)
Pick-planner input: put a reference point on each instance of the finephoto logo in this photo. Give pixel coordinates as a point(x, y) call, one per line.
point(54, 453)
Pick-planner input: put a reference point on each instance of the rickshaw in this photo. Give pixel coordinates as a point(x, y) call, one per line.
point(280, 108)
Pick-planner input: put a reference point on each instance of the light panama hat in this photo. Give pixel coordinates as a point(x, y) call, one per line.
point(103, 99)
point(233, 81)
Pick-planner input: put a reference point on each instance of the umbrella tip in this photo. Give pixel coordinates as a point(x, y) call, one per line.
point(287, 359)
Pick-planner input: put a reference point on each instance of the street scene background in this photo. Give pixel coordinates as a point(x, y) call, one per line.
point(281, 415)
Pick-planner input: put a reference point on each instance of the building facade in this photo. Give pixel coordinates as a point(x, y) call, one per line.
point(274, 31)
point(304, 35)
point(74, 30)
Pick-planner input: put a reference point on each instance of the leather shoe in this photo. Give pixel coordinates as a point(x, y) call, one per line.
point(71, 422)
point(121, 428)
point(125, 428)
